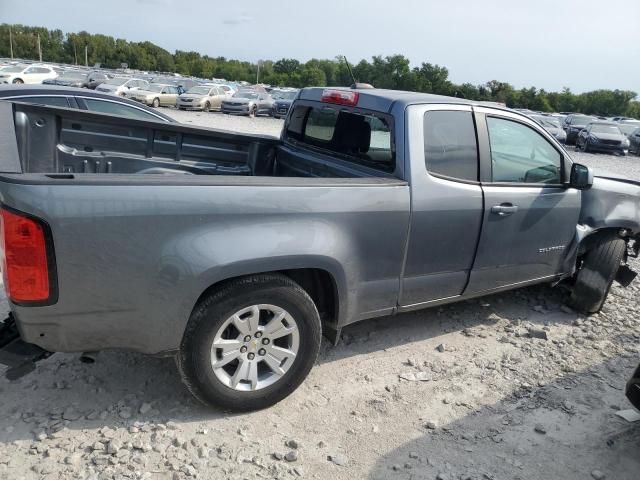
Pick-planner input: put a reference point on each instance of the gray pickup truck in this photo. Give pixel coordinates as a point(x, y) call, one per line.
point(234, 253)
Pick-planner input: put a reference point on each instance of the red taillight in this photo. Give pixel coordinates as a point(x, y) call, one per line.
point(340, 97)
point(25, 262)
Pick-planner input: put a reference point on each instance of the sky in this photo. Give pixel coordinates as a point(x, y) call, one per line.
point(580, 44)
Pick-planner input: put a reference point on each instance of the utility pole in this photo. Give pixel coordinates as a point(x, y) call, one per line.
point(11, 42)
point(75, 53)
point(86, 61)
point(258, 74)
point(39, 48)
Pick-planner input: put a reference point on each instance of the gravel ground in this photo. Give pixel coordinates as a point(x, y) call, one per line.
point(458, 392)
point(262, 125)
point(628, 165)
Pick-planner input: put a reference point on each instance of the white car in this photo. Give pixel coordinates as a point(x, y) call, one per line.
point(121, 85)
point(26, 74)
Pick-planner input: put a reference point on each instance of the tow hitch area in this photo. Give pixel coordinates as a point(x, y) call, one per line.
point(19, 356)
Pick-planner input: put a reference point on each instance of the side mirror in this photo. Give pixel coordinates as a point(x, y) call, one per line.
point(581, 177)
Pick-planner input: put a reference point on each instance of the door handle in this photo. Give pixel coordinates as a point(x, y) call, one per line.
point(504, 209)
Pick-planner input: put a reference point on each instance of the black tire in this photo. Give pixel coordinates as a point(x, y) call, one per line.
point(598, 270)
point(194, 358)
point(253, 113)
point(155, 103)
point(207, 107)
point(17, 81)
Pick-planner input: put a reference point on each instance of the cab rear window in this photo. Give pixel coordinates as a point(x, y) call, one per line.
point(360, 137)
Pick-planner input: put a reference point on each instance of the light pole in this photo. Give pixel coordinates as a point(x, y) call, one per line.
point(11, 42)
point(258, 74)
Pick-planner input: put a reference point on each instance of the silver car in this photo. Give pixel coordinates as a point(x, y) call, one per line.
point(155, 95)
point(202, 97)
point(248, 102)
point(121, 85)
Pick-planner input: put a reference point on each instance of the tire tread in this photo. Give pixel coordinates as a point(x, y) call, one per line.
point(597, 274)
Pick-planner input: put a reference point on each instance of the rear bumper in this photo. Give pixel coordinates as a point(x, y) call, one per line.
point(633, 389)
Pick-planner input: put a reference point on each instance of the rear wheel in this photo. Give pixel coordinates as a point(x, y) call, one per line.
point(598, 270)
point(156, 103)
point(251, 343)
point(17, 81)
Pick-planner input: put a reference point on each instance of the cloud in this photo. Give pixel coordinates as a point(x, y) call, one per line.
point(239, 20)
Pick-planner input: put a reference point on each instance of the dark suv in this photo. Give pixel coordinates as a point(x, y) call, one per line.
point(573, 124)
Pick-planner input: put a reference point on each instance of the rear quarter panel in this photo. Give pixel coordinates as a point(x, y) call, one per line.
point(132, 260)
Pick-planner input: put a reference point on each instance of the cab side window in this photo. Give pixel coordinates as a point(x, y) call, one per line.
point(519, 154)
point(450, 148)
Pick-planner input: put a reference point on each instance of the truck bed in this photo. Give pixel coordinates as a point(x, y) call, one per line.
point(70, 144)
point(144, 217)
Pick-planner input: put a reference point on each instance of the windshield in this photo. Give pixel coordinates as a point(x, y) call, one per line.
point(154, 88)
point(15, 69)
point(199, 90)
point(580, 121)
point(286, 95)
point(74, 76)
point(548, 122)
point(628, 128)
point(602, 128)
point(250, 95)
point(117, 81)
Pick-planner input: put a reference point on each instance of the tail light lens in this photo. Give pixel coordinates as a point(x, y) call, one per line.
point(27, 258)
point(340, 97)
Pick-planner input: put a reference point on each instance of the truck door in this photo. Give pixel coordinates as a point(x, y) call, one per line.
point(530, 214)
point(446, 203)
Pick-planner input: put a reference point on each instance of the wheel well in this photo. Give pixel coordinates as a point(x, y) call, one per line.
point(595, 238)
point(318, 283)
point(321, 287)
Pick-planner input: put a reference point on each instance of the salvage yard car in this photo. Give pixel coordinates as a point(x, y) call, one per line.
point(76, 78)
point(551, 125)
point(155, 95)
point(248, 102)
point(573, 125)
point(241, 250)
point(80, 98)
point(19, 74)
point(121, 85)
point(602, 137)
point(634, 141)
point(282, 103)
point(202, 97)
